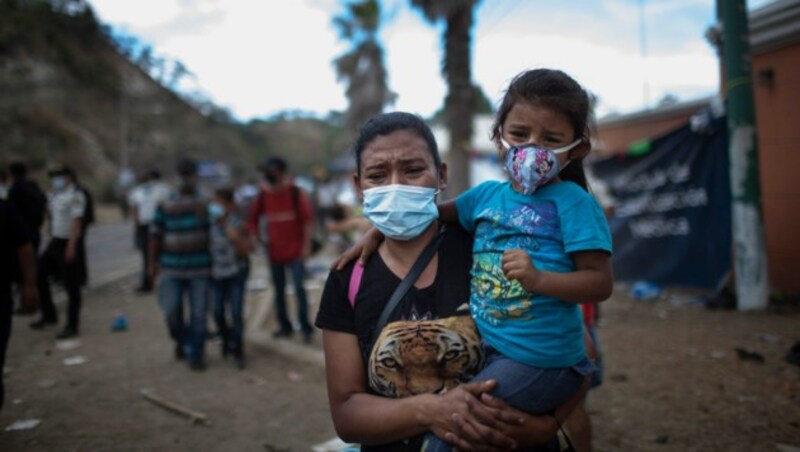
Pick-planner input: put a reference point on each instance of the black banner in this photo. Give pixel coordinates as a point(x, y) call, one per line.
point(672, 218)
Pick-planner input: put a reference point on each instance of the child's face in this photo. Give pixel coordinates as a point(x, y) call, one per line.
point(542, 126)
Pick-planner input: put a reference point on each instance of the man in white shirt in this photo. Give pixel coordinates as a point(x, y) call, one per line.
point(143, 201)
point(66, 208)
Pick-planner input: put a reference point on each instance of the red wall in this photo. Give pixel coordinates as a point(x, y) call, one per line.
point(778, 129)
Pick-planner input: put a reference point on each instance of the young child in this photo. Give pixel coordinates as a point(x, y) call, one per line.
point(230, 248)
point(542, 246)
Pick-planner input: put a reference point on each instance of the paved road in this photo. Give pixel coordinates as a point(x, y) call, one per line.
point(111, 252)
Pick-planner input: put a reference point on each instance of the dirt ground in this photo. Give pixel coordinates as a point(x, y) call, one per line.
point(674, 382)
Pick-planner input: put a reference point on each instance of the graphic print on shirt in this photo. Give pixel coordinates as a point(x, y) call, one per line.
point(533, 227)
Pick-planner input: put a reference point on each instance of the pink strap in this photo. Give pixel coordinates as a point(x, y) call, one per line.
point(355, 283)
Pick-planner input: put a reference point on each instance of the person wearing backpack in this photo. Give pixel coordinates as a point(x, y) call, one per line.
point(290, 226)
point(62, 257)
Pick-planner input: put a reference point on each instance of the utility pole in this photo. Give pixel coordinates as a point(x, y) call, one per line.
point(750, 262)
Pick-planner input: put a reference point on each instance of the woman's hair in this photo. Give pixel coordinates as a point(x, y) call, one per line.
point(559, 92)
point(387, 123)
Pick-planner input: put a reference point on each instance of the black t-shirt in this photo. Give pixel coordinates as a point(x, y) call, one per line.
point(12, 236)
point(30, 202)
point(449, 290)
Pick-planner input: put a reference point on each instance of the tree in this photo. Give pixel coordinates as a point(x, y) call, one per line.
point(459, 105)
point(362, 66)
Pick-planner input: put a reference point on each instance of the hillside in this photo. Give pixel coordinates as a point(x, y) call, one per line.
point(68, 95)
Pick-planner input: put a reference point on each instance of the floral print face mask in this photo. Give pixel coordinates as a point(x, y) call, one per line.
point(532, 166)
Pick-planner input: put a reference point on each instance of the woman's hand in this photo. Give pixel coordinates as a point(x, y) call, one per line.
point(526, 429)
point(362, 249)
point(464, 421)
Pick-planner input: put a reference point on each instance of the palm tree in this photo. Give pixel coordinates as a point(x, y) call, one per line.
point(457, 70)
point(362, 67)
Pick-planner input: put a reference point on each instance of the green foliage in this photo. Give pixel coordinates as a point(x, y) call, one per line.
point(362, 67)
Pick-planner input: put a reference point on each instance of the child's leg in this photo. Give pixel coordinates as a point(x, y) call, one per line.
point(531, 389)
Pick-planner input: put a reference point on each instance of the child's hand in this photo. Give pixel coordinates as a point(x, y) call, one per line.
point(517, 266)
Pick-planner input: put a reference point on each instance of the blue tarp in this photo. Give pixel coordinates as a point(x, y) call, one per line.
point(672, 220)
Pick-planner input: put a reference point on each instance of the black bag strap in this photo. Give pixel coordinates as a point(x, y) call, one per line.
point(407, 282)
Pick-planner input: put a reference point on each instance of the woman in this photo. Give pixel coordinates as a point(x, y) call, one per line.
point(397, 154)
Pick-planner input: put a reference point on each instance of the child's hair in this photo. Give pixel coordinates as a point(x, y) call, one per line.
point(559, 92)
point(225, 193)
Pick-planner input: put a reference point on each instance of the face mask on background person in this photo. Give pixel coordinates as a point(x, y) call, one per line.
point(58, 183)
point(400, 212)
point(532, 166)
point(272, 178)
point(215, 211)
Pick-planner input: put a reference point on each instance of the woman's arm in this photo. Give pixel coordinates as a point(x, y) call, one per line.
point(535, 430)
point(369, 419)
point(591, 282)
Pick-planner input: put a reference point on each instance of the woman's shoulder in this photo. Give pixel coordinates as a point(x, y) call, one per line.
point(458, 236)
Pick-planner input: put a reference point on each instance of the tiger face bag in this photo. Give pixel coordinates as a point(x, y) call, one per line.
point(425, 356)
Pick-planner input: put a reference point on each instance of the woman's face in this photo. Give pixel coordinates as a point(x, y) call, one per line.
point(401, 157)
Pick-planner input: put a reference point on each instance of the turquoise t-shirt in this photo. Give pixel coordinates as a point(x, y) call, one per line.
point(556, 220)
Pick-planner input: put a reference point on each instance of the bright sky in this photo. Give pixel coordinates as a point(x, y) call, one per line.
point(259, 57)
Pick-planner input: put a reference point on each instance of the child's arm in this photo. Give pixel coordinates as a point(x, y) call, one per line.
point(591, 282)
point(448, 213)
point(240, 239)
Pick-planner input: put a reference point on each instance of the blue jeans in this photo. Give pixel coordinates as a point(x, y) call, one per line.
point(531, 389)
point(279, 282)
point(230, 291)
point(170, 297)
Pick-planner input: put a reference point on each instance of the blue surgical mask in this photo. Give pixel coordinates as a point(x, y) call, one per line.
point(400, 212)
point(215, 211)
point(532, 166)
point(59, 183)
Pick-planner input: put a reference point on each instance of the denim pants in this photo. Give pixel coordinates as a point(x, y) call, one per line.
point(230, 291)
point(531, 389)
point(170, 296)
point(279, 282)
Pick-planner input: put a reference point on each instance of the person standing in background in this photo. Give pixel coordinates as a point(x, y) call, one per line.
point(16, 251)
point(142, 204)
point(230, 250)
point(66, 209)
point(179, 253)
point(29, 200)
point(290, 225)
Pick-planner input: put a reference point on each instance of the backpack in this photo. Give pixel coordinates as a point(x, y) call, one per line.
point(88, 210)
point(316, 244)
